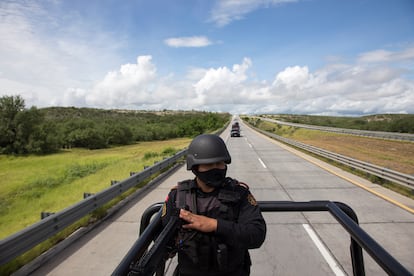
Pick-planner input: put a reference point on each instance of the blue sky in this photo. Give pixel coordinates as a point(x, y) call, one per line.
point(327, 57)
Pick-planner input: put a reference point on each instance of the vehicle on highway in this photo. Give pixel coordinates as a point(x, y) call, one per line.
point(235, 133)
point(235, 130)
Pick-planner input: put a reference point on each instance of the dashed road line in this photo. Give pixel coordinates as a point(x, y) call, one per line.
point(324, 251)
point(261, 162)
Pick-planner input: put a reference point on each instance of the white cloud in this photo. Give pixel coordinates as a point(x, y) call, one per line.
point(220, 86)
point(336, 89)
point(227, 11)
point(376, 56)
point(42, 55)
point(132, 84)
point(386, 56)
point(192, 41)
point(74, 97)
point(293, 78)
point(344, 89)
point(223, 76)
point(79, 66)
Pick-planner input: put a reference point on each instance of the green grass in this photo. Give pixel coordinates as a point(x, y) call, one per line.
point(32, 184)
point(380, 122)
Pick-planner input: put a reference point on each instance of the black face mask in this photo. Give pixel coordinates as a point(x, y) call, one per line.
point(213, 178)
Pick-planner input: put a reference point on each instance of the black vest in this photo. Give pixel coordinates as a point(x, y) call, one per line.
point(204, 253)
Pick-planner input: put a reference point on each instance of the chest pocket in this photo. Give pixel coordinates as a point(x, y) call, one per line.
point(203, 251)
point(225, 205)
point(229, 201)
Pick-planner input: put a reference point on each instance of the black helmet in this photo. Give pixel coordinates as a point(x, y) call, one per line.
point(206, 149)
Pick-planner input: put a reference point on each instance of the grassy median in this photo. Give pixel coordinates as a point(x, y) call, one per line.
point(32, 184)
point(395, 155)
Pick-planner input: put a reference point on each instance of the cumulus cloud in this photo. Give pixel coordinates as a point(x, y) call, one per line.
point(192, 41)
point(80, 68)
point(69, 61)
point(131, 84)
point(336, 89)
point(295, 77)
point(227, 11)
point(223, 76)
point(220, 86)
point(345, 89)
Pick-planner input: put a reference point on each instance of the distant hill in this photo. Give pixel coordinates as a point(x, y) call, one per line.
point(47, 130)
point(138, 125)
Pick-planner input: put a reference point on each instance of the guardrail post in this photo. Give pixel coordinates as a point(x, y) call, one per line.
point(24, 240)
point(86, 195)
point(44, 215)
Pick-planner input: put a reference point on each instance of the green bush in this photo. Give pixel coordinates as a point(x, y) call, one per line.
point(47, 130)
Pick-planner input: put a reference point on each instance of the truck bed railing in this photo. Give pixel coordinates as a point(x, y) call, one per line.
point(142, 260)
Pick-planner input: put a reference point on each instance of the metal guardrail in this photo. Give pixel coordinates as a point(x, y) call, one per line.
point(52, 223)
point(22, 241)
point(366, 133)
point(344, 214)
point(394, 176)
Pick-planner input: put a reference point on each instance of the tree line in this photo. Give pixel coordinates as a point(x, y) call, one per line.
point(47, 130)
point(403, 123)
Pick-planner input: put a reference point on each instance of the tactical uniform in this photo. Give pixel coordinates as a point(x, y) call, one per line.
point(240, 224)
point(240, 227)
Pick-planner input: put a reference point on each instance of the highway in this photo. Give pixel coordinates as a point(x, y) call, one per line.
point(357, 132)
point(297, 243)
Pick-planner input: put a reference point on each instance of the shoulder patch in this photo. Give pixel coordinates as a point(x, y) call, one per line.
point(251, 200)
point(164, 210)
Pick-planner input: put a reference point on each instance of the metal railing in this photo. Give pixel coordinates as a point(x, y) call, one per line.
point(52, 223)
point(22, 241)
point(394, 176)
point(357, 132)
point(151, 229)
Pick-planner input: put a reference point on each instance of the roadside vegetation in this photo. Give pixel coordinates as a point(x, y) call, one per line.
point(50, 183)
point(32, 184)
point(395, 155)
point(50, 157)
point(403, 123)
point(48, 130)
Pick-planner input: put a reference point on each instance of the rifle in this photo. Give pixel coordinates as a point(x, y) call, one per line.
point(141, 261)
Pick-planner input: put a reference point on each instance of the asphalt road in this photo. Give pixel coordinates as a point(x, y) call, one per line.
point(297, 243)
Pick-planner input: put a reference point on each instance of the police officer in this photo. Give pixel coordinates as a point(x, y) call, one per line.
point(221, 218)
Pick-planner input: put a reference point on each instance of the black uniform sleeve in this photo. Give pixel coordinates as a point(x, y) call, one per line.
point(250, 229)
point(169, 207)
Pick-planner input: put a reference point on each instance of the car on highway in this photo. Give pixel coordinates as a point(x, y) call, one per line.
point(235, 133)
point(235, 130)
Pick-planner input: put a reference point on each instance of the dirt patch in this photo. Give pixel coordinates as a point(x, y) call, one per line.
point(395, 155)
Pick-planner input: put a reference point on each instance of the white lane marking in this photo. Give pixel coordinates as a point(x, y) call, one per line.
point(261, 162)
point(325, 253)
